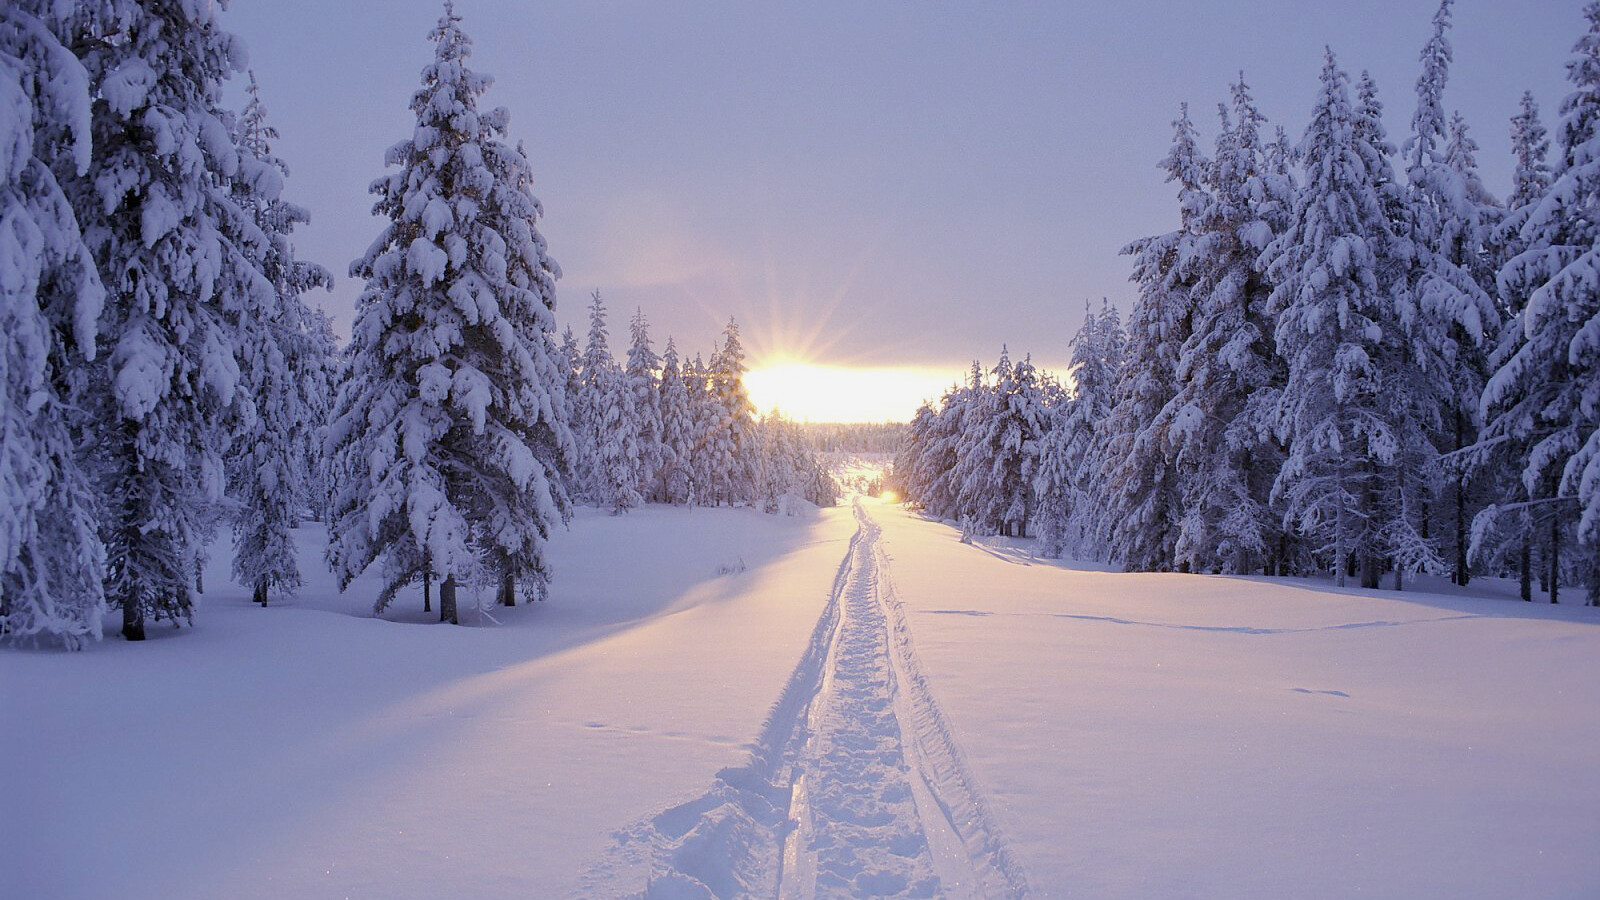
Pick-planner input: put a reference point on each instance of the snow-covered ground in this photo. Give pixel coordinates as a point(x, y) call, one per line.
point(851, 703)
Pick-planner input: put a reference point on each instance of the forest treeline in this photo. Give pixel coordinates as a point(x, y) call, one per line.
point(1349, 357)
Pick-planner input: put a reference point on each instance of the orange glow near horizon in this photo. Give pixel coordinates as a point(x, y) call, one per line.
point(815, 393)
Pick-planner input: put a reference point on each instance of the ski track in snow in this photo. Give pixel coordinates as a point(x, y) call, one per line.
point(855, 787)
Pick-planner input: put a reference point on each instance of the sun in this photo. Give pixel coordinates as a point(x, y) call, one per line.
point(810, 392)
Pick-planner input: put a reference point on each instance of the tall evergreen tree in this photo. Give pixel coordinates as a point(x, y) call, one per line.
point(280, 364)
point(1511, 527)
point(1144, 501)
point(674, 484)
point(730, 443)
point(453, 417)
point(608, 441)
point(1333, 268)
point(1449, 315)
point(1072, 452)
point(159, 206)
point(1224, 457)
point(51, 559)
point(1547, 394)
point(324, 372)
point(643, 398)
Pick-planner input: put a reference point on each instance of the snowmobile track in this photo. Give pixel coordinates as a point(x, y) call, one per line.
point(855, 787)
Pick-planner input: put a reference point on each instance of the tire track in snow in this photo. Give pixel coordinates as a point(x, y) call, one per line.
point(855, 787)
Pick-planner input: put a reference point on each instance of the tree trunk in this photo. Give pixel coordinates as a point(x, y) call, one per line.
point(427, 587)
point(447, 601)
point(508, 589)
point(1369, 571)
point(1555, 558)
point(260, 595)
point(1527, 570)
point(132, 620)
point(1399, 573)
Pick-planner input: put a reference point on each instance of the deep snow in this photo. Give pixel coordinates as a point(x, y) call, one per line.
point(1122, 735)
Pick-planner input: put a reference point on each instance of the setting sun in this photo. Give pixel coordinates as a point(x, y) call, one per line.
point(813, 393)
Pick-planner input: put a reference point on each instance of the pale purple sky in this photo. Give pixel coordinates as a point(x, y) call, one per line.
point(860, 183)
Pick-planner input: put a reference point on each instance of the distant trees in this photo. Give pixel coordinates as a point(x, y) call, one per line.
point(1331, 365)
point(683, 434)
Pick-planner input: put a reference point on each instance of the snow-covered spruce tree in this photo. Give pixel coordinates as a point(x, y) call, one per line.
point(608, 448)
point(902, 478)
point(730, 442)
point(570, 357)
point(1446, 305)
point(1412, 366)
point(324, 372)
point(1547, 395)
point(1228, 369)
point(1334, 270)
point(1006, 442)
point(1507, 531)
point(1144, 499)
point(938, 467)
point(452, 419)
point(707, 417)
point(1072, 449)
point(281, 364)
point(159, 207)
point(979, 500)
point(643, 397)
point(51, 558)
point(674, 483)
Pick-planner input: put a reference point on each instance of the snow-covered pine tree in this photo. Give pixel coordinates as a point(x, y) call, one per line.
point(979, 498)
point(452, 418)
point(903, 478)
point(158, 207)
point(1021, 417)
point(51, 558)
point(1548, 393)
point(707, 417)
point(1071, 454)
point(1413, 364)
point(1508, 530)
point(730, 443)
point(939, 467)
point(643, 396)
point(674, 484)
point(1144, 501)
point(323, 375)
point(570, 357)
point(1225, 458)
point(1334, 269)
point(609, 440)
point(281, 364)
point(1446, 306)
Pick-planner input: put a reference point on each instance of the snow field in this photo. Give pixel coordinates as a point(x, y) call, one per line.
point(868, 708)
point(301, 752)
point(1193, 736)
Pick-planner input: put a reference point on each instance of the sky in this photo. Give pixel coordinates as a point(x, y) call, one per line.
point(895, 186)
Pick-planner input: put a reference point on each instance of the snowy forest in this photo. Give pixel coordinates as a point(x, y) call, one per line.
point(166, 377)
point(1348, 358)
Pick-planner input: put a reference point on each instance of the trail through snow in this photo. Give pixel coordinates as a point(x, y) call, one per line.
point(855, 788)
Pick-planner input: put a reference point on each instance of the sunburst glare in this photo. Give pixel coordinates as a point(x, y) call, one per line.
point(816, 393)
